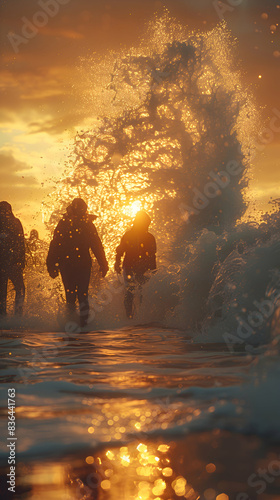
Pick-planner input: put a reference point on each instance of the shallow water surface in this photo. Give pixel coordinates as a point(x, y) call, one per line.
point(136, 413)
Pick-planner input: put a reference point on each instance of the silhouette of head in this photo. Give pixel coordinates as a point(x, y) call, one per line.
point(142, 221)
point(78, 207)
point(5, 208)
point(34, 235)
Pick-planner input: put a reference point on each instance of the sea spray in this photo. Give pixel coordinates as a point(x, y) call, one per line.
point(173, 115)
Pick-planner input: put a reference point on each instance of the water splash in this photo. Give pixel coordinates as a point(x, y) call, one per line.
point(170, 111)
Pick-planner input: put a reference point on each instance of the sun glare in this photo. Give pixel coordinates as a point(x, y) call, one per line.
point(131, 210)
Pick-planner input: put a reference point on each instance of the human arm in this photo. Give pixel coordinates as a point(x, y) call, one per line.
point(98, 250)
point(19, 246)
point(53, 255)
point(120, 250)
point(152, 254)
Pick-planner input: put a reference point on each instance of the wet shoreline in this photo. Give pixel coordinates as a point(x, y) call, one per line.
point(205, 465)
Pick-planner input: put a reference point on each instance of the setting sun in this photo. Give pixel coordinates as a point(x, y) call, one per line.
point(131, 210)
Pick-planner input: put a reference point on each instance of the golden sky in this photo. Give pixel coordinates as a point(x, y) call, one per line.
point(43, 93)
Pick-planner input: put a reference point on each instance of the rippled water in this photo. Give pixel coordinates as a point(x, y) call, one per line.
point(137, 413)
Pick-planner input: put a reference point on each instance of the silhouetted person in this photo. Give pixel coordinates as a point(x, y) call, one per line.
point(34, 235)
point(35, 250)
point(12, 257)
point(69, 253)
point(139, 247)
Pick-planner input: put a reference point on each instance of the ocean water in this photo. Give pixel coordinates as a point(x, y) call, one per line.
point(138, 413)
point(183, 400)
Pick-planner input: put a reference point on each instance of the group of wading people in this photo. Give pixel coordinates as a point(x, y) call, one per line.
point(69, 255)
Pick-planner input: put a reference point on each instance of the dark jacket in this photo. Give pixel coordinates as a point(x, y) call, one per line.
point(73, 238)
point(140, 252)
point(12, 248)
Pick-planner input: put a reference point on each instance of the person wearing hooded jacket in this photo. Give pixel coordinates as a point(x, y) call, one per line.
point(139, 249)
point(69, 254)
point(12, 257)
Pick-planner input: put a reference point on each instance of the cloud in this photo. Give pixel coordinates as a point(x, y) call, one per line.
point(20, 188)
point(55, 126)
point(14, 175)
point(63, 33)
point(43, 77)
